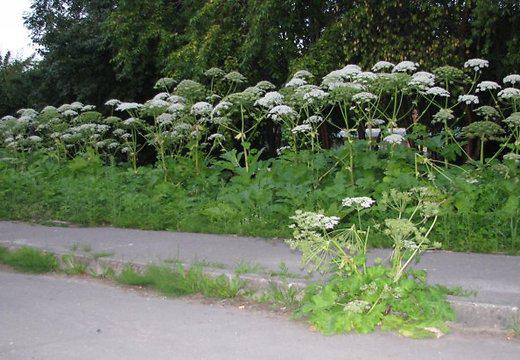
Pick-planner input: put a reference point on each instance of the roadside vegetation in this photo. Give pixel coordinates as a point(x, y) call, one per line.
point(231, 158)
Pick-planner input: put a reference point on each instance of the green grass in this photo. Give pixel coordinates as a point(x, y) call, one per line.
point(177, 281)
point(244, 267)
point(29, 260)
point(70, 266)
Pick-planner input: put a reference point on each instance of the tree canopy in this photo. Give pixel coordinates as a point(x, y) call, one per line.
point(96, 49)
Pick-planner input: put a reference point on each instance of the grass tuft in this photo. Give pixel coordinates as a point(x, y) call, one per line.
point(29, 260)
point(178, 281)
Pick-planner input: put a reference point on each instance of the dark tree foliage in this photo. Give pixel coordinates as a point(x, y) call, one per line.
point(93, 50)
point(76, 57)
point(15, 81)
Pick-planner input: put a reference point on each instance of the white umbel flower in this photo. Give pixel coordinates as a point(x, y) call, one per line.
point(296, 82)
point(303, 74)
point(362, 201)
point(310, 220)
point(364, 97)
point(201, 108)
point(468, 99)
point(394, 139)
point(422, 79)
point(314, 119)
point(509, 93)
point(437, 91)
point(487, 85)
point(512, 79)
point(405, 66)
point(280, 111)
point(128, 106)
point(314, 95)
point(270, 99)
point(112, 102)
point(301, 129)
point(476, 64)
point(383, 65)
point(221, 108)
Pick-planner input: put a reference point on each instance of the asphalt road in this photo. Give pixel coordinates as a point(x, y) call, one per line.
point(493, 277)
point(57, 317)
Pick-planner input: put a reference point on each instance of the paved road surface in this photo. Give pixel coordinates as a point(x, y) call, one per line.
point(494, 277)
point(55, 317)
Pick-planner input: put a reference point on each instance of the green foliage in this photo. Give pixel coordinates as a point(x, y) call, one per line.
point(364, 302)
point(179, 282)
point(29, 260)
point(123, 46)
point(478, 217)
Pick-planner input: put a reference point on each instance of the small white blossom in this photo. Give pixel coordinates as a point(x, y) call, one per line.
point(405, 66)
point(304, 128)
point(394, 139)
point(476, 64)
point(270, 99)
point(165, 119)
point(468, 99)
point(35, 138)
point(128, 106)
point(88, 108)
point(162, 96)
point(70, 113)
point(422, 79)
point(512, 156)
point(366, 76)
point(437, 91)
point(512, 79)
point(315, 95)
point(509, 93)
point(310, 220)
point(112, 102)
point(372, 133)
point(296, 82)
point(221, 108)
point(363, 97)
point(314, 119)
point(156, 104)
point(201, 108)
point(280, 111)
point(176, 108)
point(487, 85)
point(362, 201)
point(383, 65)
point(130, 121)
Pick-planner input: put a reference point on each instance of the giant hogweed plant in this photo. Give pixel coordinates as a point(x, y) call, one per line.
point(360, 296)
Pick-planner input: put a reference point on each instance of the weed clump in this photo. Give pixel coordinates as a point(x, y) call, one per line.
point(179, 281)
point(29, 260)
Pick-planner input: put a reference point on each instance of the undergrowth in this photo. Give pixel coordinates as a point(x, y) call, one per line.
point(481, 218)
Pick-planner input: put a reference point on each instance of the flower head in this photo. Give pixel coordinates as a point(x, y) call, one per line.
point(512, 79)
point(468, 99)
point(201, 108)
point(270, 99)
point(382, 65)
point(394, 139)
point(405, 66)
point(487, 85)
point(437, 91)
point(362, 201)
point(476, 64)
